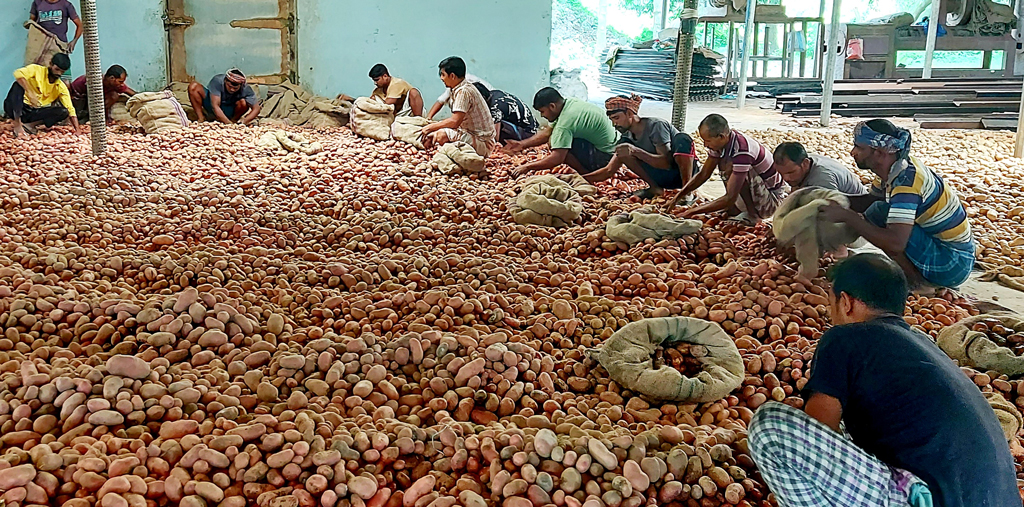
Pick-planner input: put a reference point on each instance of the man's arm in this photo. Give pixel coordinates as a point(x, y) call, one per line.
point(452, 122)
point(825, 409)
point(861, 203)
point(254, 111)
point(660, 160)
point(605, 172)
point(553, 160)
point(497, 132)
point(732, 193)
point(129, 91)
point(79, 29)
point(74, 123)
point(892, 238)
point(710, 164)
point(218, 113)
point(30, 94)
point(436, 108)
point(541, 137)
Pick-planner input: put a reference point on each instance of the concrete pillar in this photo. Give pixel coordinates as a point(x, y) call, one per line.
point(929, 47)
point(748, 41)
point(602, 27)
point(830, 65)
point(659, 16)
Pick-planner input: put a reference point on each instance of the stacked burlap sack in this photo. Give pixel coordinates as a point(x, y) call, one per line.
point(643, 224)
point(976, 350)
point(408, 129)
point(371, 117)
point(158, 112)
point(627, 356)
point(797, 223)
point(550, 200)
point(291, 104)
point(279, 140)
point(458, 158)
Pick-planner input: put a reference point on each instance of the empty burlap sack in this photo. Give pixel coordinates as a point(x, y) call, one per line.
point(119, 111)
point(627, 357)
point(796, 223)
point(371, 117)
point(458, 158)
point(577, 182)
point(288, 141)
point(975, 349)
point(407, 129)
point(41, 45)
point(1009, 417)
point(641, 225)
point(546, 201)
point(158, 112)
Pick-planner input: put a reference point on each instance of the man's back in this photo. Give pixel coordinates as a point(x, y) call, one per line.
point(907, 403)
point(583, 120)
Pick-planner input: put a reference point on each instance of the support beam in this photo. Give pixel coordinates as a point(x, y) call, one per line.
point(1018, 148)
point(929, 46)
point(830, 66)
point(748, 39)
point(602, 28)
point(659, 16)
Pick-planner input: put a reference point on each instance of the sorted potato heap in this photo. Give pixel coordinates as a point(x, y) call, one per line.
point(190, 321)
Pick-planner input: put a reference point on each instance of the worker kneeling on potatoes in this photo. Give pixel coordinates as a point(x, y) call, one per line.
point(580, 136)
point(470, 121)
point(753, 188)
point(228, 99)
point(922, 433)
point(910, 213)
point(39, 97)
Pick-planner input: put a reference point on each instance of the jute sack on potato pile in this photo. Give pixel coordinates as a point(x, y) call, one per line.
point(371, 117)
point(550, 200)
point(796, 223)
point(640, 225)
point(457, 158)
point(627, 356)
point(1009, 417)
point(408, 128)
point(288, 141)
point(291, 104)
point(976, 350)
point(158, 112)
point(1007, 276)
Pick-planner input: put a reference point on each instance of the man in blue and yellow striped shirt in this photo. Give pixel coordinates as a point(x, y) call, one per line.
point(911, 213)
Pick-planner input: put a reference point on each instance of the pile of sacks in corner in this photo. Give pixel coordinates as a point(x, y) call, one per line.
point(627, 355)
point(550, 200)
point(371, 117)
point(797, 223)
point(458, 158)
point(278, 140)
point(158, 112)
point(645, 223)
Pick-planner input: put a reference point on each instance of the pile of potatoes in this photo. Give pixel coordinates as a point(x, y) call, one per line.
point(187, 321)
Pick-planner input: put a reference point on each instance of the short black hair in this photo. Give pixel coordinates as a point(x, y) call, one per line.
point(61, 60)
point(453, 65)
point(378, 70)
point(484, 92)
point(116, 71)
point(792, 150)
point(873, 279)
point(715, 124)
point(547, 96)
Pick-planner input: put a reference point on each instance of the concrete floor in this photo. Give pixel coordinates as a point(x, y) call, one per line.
point(760, 114)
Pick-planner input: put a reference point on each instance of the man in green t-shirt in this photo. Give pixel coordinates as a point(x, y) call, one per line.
point(580, 136)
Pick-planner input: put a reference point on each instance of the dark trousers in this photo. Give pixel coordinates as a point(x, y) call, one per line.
point(15, 107)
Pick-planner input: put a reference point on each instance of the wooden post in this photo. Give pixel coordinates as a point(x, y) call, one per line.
point(830, 67)
point(748, 34)
point(929, 46)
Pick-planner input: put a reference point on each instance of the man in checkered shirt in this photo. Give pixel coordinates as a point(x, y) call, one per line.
point(922, 433)
point(471, 117)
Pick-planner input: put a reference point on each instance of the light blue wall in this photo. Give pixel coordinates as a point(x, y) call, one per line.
point(506, 42)
point(131, 34)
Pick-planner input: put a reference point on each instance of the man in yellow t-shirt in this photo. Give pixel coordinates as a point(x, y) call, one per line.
point(394, 91)
point(38, 96)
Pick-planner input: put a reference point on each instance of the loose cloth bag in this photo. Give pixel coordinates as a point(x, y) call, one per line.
point(1009, 417)
point(797, 223)
point(41, 45)
point(371, 117)
point(976, 350)
point(291, 104)
point(288, 141)
point(158, 112)
point(641, 225)
point(547, 201)
point(408, 129)
point(627, 357)
point(458, 158)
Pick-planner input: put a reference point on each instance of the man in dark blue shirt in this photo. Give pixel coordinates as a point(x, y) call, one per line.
point(921, 431)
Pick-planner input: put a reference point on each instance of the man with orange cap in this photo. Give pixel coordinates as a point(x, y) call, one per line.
point(650, 147)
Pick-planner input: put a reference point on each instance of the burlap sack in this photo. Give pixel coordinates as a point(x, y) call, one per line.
point(627, 357)
point(119, 111)
point(577, 182)
point(407, 129)
point(547, 201)
point(796, 223)
point(288, 141)
point(641, 225)
point(41, 45)
point(371, 117)
point(976, 350)
point(458, 158)
point(158, 112)
point(1009, 417)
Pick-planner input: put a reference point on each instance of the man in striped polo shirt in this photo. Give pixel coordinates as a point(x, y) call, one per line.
point(911, 213)
point(753, 188)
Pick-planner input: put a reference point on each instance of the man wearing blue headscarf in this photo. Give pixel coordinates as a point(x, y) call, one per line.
point(911, 213)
